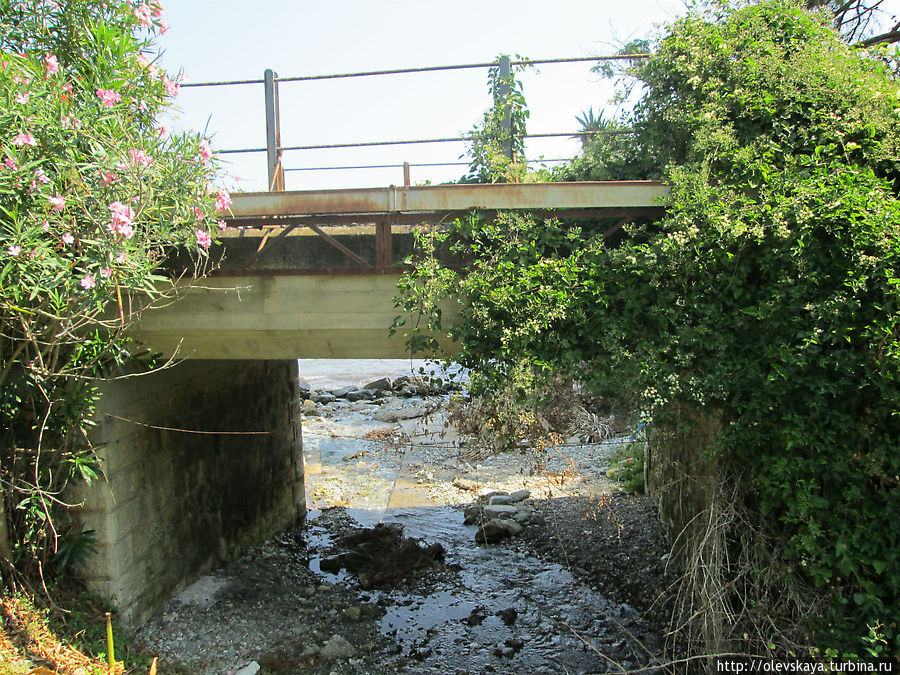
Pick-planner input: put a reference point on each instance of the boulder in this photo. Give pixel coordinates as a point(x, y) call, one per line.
point(361, 395)
point(471, 515)
point(512, 526)
point(250, 669)
point(381, 384)
point(309, 407)
point(519, 496)
point(343, 391)
point(500, 499)
point(397, 413)
point(492, 531)
point(500, 511)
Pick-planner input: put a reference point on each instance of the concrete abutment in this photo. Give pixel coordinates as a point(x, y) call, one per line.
point(175, 504)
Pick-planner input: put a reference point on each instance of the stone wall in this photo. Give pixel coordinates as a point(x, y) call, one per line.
point(690, 490)
point(176, 504)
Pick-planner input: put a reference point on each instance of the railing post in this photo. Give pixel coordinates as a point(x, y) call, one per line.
point(501, 101)
point(405, 174)
point(273, 133)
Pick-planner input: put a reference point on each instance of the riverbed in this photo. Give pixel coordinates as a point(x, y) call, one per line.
point(582, 587)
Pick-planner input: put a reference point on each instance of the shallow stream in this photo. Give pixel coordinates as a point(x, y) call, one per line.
point(486, 609)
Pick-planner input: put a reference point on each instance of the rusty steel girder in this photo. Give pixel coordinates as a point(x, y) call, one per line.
point(428, 199)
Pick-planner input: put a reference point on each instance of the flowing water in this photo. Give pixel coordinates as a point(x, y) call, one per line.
point(491, 608)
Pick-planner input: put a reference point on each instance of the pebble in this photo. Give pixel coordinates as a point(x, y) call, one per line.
point(337, 648)
point(250, 669)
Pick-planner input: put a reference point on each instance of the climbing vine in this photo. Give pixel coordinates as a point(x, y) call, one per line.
point(497, 146)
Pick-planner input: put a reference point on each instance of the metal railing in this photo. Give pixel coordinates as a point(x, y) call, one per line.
point(275, 150)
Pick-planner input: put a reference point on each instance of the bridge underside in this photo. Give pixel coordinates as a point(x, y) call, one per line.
point(279, 317)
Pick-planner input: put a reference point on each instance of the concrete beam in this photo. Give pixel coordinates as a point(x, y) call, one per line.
point(440, 198)
point(278, 317)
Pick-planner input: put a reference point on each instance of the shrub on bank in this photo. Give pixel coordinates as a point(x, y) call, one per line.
point(767, 298)
point(93, 194)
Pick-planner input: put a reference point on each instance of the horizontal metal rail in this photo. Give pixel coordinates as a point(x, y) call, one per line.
point(424, 69)
point(415, 164)
point(453, 139)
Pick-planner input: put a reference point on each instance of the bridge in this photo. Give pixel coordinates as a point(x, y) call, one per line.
point(312, 274)
point(204, 458)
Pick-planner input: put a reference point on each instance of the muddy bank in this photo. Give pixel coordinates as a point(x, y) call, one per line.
point(580, 589)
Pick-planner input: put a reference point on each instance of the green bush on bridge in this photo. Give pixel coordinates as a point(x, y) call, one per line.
point(767, 297)
point(93, 192)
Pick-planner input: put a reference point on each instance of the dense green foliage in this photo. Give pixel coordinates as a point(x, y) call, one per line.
point(768, 294)
point(93, 193)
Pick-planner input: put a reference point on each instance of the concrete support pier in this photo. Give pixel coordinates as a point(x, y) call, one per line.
point(175, 504)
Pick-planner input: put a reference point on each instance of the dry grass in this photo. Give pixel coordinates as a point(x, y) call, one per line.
point(27, 645)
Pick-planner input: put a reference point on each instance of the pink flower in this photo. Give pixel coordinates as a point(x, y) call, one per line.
point(106, 272)
point(223, 201)
point(170, 86)
point(123, 229)
point(107, 178)
point(137, 156)
point(88, 281)
point(121, 258)
point(41, 177)
point(24, 139)
point(163, 28)
point(158, 9)
point(58, 202)
point(46, 226)
point(51, 64)
point(143, 14)
point(142, 106)
point(161, 130)
point(108, 97)
point(67, 238)
point(14, 250)
point(23, 98)
point(203, 238)
point(222, 225)
point(205, 152)
point(10, 164)
point(121, 213)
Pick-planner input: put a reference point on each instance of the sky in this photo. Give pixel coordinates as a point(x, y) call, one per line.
point(231, 40)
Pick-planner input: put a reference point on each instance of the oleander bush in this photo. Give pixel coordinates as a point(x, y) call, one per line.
point(94, 194)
